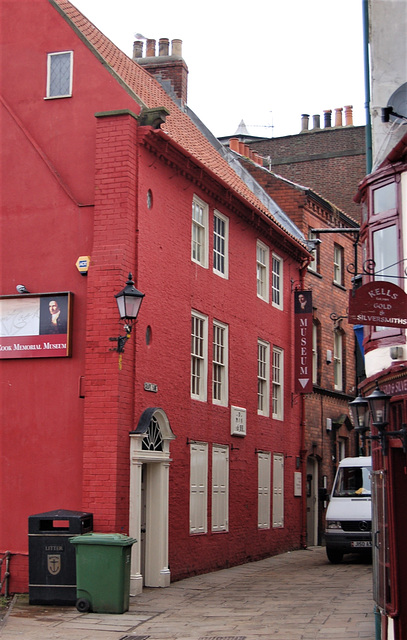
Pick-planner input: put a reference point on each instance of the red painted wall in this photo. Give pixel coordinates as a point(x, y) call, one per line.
point(47, 209)
point(78, 186)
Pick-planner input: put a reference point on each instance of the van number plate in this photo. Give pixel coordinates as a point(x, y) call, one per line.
point(361, 543)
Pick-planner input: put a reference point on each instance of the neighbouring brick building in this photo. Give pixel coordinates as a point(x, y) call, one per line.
point(329, 434)
point(330, 160)
point(190, 440)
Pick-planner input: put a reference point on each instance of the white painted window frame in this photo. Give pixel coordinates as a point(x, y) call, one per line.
point(263, 489)
point(277, 383)
point(220, 361)
point(338, 363)
point(278, 490)
point(199, 356)
point(262, 270)
point(220, 488)
point(200, 232)
point(277, 283)
point(50, 58)
point(313, 265)
point(263, 378)
point(198, 495)
point(338, 265)
point(219, 238)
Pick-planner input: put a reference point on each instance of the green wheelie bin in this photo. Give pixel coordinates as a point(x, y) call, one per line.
point(103, 572)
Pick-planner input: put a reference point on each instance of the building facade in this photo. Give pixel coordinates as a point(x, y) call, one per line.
point(382, 196)
point(328, 158)
point(337, 365)
point(188, 440)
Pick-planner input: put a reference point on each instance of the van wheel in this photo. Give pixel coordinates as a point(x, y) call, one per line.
point(334, 555)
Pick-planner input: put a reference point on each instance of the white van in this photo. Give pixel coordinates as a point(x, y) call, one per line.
point(349, 514)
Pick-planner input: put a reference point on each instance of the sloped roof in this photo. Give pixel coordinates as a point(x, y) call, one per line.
point(148, 92)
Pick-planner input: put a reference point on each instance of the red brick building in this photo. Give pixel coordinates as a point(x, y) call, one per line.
point(330, 160)
point(329, 435)
point(189, 440)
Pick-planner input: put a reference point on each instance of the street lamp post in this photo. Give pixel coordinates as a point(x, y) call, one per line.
point(375, 408)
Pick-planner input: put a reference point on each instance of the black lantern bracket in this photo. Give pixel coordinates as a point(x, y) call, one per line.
point(121, 340)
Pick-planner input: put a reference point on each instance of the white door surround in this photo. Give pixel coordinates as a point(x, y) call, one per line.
point(150, 446)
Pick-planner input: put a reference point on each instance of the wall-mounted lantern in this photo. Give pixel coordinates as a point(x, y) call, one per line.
point(129, 302)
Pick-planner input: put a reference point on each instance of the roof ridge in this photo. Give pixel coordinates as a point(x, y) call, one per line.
point(148, 93)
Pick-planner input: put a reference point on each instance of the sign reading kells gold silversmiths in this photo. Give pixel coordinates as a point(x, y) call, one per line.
point(36, 326)
point(380, 304)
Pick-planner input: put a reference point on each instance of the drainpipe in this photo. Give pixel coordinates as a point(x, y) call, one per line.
point(368, 126)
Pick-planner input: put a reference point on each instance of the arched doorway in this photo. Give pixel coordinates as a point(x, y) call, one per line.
point(149, 490)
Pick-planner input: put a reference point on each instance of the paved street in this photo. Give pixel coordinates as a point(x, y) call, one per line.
point(293, 596)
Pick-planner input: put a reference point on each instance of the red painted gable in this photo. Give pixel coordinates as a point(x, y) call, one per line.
point(79, 175)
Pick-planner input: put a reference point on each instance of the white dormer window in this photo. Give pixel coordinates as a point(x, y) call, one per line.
point(59, 74)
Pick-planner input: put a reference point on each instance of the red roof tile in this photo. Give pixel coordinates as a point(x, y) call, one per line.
point(178, 125)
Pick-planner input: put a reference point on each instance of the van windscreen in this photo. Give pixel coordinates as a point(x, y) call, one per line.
point(352, 482)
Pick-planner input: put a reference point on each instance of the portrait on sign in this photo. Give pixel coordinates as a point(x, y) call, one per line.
point(36, 325)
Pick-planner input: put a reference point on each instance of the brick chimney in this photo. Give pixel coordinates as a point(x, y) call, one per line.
point(168, 68)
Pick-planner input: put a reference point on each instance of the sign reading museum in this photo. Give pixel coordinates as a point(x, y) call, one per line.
point(35, 326)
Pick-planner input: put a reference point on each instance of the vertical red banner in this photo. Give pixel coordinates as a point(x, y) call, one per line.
point(303, 341)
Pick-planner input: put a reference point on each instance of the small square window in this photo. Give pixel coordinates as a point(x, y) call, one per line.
point(59, 76)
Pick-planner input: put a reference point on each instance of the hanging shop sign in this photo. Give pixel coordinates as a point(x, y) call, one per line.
point(381, 304)
point(36, 326)
point(303, 341)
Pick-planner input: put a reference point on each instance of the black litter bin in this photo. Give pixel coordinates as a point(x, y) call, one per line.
point(51, 558)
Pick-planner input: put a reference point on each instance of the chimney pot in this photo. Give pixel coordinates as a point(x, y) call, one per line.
point(150, 53)
point(241, 148)
point(170, 71)
point(327, 118)
point(163, 46)
point(348, 115)
point(234, 144)
point(304, 122)
point(137, 49)
point(176, 47)
point(316, 121)
point(338, 117)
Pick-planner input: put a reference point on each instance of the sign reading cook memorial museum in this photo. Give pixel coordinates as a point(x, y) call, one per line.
point(35, 326)
point(380, 304)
